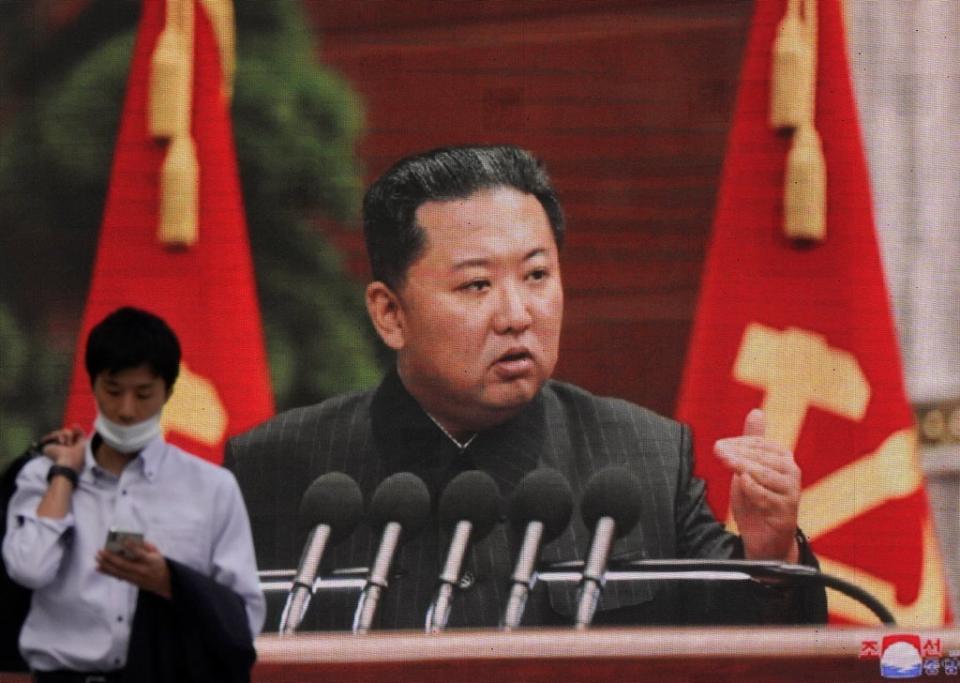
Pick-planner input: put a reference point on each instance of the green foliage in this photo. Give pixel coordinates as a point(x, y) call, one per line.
point(31, 383)
point(13, 367)
point(54, 167)
point(296, 127)
point(296, 124)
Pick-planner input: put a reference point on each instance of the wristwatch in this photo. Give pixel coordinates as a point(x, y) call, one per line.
point(63, 471)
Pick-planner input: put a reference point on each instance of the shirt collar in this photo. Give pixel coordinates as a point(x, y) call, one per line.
point(148, 460)
point(152, 455)
point(456, 442)
point(90, 465)
point(404, 432)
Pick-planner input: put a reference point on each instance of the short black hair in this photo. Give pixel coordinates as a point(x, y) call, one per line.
point(393, 238)
point(129, 338)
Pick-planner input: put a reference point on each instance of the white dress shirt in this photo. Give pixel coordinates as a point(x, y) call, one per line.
point(80, 619)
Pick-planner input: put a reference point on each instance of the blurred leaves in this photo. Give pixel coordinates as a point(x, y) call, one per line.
point(296, 125)
point(31, 384)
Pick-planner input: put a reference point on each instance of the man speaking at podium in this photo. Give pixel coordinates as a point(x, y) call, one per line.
point(464, 245)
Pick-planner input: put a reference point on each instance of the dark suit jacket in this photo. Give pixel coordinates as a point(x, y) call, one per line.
point(14, 598)
point(373, 434)
point(201, 635)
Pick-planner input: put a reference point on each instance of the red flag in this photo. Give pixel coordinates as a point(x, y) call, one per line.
point(205, 291)
point(804, 330)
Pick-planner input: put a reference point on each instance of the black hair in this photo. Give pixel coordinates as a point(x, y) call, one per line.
point(393, 238)
point(129, 338)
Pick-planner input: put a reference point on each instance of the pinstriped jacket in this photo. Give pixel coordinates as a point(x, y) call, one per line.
point(373, 434)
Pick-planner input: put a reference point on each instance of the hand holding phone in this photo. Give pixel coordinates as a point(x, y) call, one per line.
point(144, 567)
point(117, 540)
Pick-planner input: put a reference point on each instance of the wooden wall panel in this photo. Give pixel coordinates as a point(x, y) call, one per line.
point(629, 103)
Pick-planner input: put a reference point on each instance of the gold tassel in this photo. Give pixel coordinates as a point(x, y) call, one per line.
point(805, 191)
point(179, 194)
point(793, 94)
point(168, 95)
point(790, 77)
point(221, 15)
point(168, 116)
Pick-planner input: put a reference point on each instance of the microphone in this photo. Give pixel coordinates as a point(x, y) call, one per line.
point(400, 507)
point(331, 508)
point(611, 507)
point(468, 509)
point(540, 509)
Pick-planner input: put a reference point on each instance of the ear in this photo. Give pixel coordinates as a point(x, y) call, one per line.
point(386, 313)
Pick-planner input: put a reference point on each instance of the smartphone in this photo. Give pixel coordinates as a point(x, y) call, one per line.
point(116, 540)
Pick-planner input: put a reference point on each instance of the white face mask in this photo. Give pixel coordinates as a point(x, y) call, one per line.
point(127, 438)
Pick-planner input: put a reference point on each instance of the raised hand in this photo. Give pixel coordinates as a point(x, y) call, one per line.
point(65, 446)
point(764, 491)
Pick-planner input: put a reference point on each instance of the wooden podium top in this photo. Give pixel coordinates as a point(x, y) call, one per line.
point(622, 655)
point(635, 655)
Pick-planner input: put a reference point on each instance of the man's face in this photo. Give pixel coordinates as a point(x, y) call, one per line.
point(129, 396)
point(481, 308)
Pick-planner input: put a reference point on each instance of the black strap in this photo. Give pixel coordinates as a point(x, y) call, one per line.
point(64, 471)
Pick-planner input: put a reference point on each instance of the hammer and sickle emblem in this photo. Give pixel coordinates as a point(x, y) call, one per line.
point(797, 369)
point(195, 409)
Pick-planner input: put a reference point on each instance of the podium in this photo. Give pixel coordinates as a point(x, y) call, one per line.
point(634, 655)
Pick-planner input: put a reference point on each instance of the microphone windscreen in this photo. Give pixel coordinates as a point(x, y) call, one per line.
point(542, 496)
point(471, 496)
point(333, 499)
point(612, 492)
point(401, 498)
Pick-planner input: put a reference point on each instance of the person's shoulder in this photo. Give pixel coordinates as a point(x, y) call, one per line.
point(289, 423)
point(32, 470)
point(608, 409)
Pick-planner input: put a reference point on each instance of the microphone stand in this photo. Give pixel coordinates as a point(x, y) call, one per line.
point(302, 589)
point(523, 576)
point(278, 581)
point(439, 612)
point(735, 570)
point(377, 581)
point(594, 569)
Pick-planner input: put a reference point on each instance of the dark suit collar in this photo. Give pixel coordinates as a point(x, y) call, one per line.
point(406, 436)
point(408, 440)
